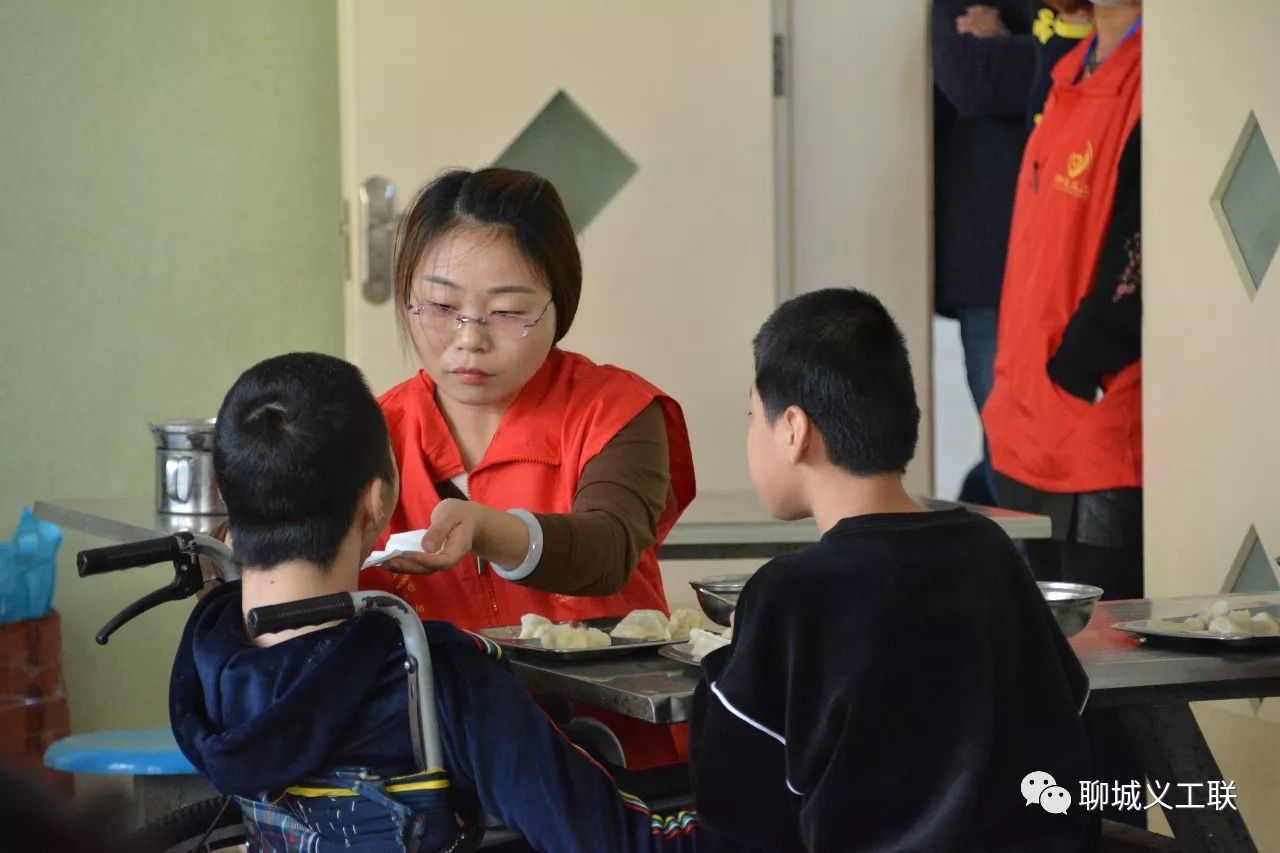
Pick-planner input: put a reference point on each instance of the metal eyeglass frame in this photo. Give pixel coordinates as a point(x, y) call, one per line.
point(482, 322)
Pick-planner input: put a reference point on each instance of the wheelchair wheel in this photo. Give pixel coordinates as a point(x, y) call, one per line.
point(207, 825)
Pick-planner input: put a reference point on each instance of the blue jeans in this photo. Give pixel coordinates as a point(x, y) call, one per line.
point(978, 337)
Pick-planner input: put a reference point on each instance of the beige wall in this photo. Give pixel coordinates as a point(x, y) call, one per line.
point(168, 215)
point(1212, 450)
point(862, 168)
point(1210, 404)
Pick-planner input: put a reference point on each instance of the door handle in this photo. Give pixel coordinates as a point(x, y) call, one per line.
point(378, 225)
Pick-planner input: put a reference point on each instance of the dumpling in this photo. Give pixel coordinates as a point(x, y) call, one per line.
point(1223, 625)
point(573, 637)
point(682, 620)
point(1194, 623)
point(642, 625)
point(596, 639)
point(703, 643)
point(1265, 623)
point(1242, 620)
point(1217, 618)
point(561, 637)
point(532, 626)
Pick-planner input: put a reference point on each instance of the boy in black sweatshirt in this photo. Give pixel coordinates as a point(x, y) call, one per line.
point(901, 684)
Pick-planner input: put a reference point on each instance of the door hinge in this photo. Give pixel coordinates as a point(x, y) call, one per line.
point(779, 66)
point(344, 228)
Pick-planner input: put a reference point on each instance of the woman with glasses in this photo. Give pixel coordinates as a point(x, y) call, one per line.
point(546, 482)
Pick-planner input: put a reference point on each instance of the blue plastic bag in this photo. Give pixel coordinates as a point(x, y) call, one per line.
point(28, 566)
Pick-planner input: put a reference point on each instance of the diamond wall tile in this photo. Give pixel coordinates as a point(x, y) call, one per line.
point(1247, 203)
point(1252, 571)
point(565, 146)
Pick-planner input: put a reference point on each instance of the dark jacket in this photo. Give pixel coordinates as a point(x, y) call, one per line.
point(893, 686)
point(981, 92)
point(259, 720)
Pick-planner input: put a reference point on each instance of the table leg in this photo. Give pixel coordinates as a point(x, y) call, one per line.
point(157, 796)
point(1173, 749)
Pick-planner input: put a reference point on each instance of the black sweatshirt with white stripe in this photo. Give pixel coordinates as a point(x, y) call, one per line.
point(890, 688)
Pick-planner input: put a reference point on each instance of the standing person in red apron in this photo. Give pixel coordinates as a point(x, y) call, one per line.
point(546, 482)
point(1065, 414)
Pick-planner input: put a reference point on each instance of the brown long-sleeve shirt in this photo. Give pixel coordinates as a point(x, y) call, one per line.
point(592, 549)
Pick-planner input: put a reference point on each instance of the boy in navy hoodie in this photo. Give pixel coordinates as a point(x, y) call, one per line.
point(309, 728)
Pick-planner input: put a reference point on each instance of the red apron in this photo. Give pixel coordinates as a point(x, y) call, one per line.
point(1038, 433)
point(562, 418)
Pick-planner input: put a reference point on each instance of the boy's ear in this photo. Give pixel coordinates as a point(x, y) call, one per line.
point(373, 503)
point(797, 433)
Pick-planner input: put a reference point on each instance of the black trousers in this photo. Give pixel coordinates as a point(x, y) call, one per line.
point(1117, 570)
point(1096, 539)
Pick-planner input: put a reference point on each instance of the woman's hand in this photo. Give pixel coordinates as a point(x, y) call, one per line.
point(459, 528)
point(450, 537)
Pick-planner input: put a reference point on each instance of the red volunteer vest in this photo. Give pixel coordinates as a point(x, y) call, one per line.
point(563, 417)
point(1039, 434)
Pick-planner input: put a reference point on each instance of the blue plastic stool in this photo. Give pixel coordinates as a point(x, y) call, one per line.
point(163, 778)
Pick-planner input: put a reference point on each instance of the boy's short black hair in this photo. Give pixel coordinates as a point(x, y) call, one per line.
point(298, 438)
point(838, 355)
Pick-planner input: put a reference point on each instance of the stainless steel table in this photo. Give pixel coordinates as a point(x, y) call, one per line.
point(644, 686)
point(124, 519)
point(1149, 686)
point(718, 525)
point(731, 524)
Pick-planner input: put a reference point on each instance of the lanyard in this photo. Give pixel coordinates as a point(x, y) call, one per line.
point(1093, 45)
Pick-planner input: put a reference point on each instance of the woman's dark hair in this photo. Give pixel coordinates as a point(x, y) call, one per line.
point(838, 355)
point(521, 205)
point(298, 438)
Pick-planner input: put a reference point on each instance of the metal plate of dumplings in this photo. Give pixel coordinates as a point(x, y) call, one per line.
point(1166, 631)
point(507, 637)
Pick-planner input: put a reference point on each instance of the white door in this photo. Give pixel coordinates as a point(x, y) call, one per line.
point(654, 118)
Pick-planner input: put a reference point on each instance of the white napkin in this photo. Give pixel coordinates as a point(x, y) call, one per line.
point(398, 544)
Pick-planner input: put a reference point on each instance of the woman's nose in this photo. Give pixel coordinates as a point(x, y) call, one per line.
point(471, 338)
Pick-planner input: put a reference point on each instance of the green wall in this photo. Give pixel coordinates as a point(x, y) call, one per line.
point(169, 208)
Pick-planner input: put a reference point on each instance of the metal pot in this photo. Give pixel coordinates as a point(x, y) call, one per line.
point(184, 468)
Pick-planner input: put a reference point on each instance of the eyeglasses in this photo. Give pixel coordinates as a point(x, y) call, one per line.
point(509, 325)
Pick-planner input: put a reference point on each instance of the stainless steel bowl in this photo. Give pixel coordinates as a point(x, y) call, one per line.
point(1071, 604)
point(718, 596)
